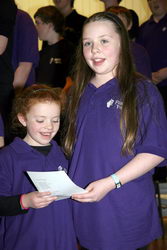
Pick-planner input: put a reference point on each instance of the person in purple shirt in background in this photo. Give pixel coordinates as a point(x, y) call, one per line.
point(25, 58)
point(139, 53)
point(25, 50)
point(153, 36)
point(115, 134)
point(37, 109)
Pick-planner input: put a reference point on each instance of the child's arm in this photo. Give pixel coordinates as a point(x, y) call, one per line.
point(160, 75)
point(1, 141)
point(36, 200)
point(138, 166)
point(10, 205)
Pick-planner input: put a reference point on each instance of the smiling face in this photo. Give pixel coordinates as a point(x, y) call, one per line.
point(42, 122)
point(101, 49)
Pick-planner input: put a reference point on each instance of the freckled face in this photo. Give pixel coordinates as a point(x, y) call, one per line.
point(42, 123)
point(101, 48)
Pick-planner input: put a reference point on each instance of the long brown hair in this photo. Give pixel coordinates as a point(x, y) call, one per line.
point(127, 78)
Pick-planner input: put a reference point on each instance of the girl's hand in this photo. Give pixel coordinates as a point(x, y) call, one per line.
point(37, 199)
point(96, 190)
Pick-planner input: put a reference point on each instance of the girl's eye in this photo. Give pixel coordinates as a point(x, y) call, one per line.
point(104, 41)
point(56, 121)
point(86, 44)
point(39, 121)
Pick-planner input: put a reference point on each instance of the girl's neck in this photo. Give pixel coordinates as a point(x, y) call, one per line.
point(99, 81)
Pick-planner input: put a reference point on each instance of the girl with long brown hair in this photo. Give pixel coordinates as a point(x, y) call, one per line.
point(116, 133)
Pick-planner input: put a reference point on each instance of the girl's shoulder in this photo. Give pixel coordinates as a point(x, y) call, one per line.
point(146, 90)
point(17, 146)
point(145, 84)
point(6, 154)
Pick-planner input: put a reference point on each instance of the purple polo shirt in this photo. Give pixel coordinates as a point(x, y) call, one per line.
point(25, 44)
point(1, 127)
point(141, 59)
point(40, 229)
point(153, 36)
point(126, 218)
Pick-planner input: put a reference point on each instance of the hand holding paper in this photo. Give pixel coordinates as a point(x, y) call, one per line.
point(56, 182)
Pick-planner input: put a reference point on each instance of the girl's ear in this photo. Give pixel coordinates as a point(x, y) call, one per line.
point(51, 26)
point(22, 119)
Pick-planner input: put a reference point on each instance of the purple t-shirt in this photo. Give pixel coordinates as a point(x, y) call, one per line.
point(126, 218)
point(153, 36)
point(25, 44)
point(40, 229)
point(141, 59)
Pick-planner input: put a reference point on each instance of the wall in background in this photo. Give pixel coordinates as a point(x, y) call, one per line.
point(140, 6)
point(88, 7)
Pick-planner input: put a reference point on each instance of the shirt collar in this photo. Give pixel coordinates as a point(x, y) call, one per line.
point(164, 19)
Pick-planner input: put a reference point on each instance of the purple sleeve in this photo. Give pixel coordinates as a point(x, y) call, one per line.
point(141, 59)
point(1, 127)
point(152, 125)
point(25, 45)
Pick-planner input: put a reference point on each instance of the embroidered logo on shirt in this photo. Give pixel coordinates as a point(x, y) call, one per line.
point(118, 104)
point(110, 103)
point(164, 29)
point(60, 168)
point(55, 60)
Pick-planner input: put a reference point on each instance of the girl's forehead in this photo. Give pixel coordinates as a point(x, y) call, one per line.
point(99, 27)
point(44, 108)
point(101, 22)
point(40, 104)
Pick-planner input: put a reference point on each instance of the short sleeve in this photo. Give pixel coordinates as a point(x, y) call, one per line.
point(25, 39)
point(152, 133)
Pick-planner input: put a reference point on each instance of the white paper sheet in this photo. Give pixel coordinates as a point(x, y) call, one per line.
point(56, 182)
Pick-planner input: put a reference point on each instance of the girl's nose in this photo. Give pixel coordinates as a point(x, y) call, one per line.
point(95, 48)
point(49, 125)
